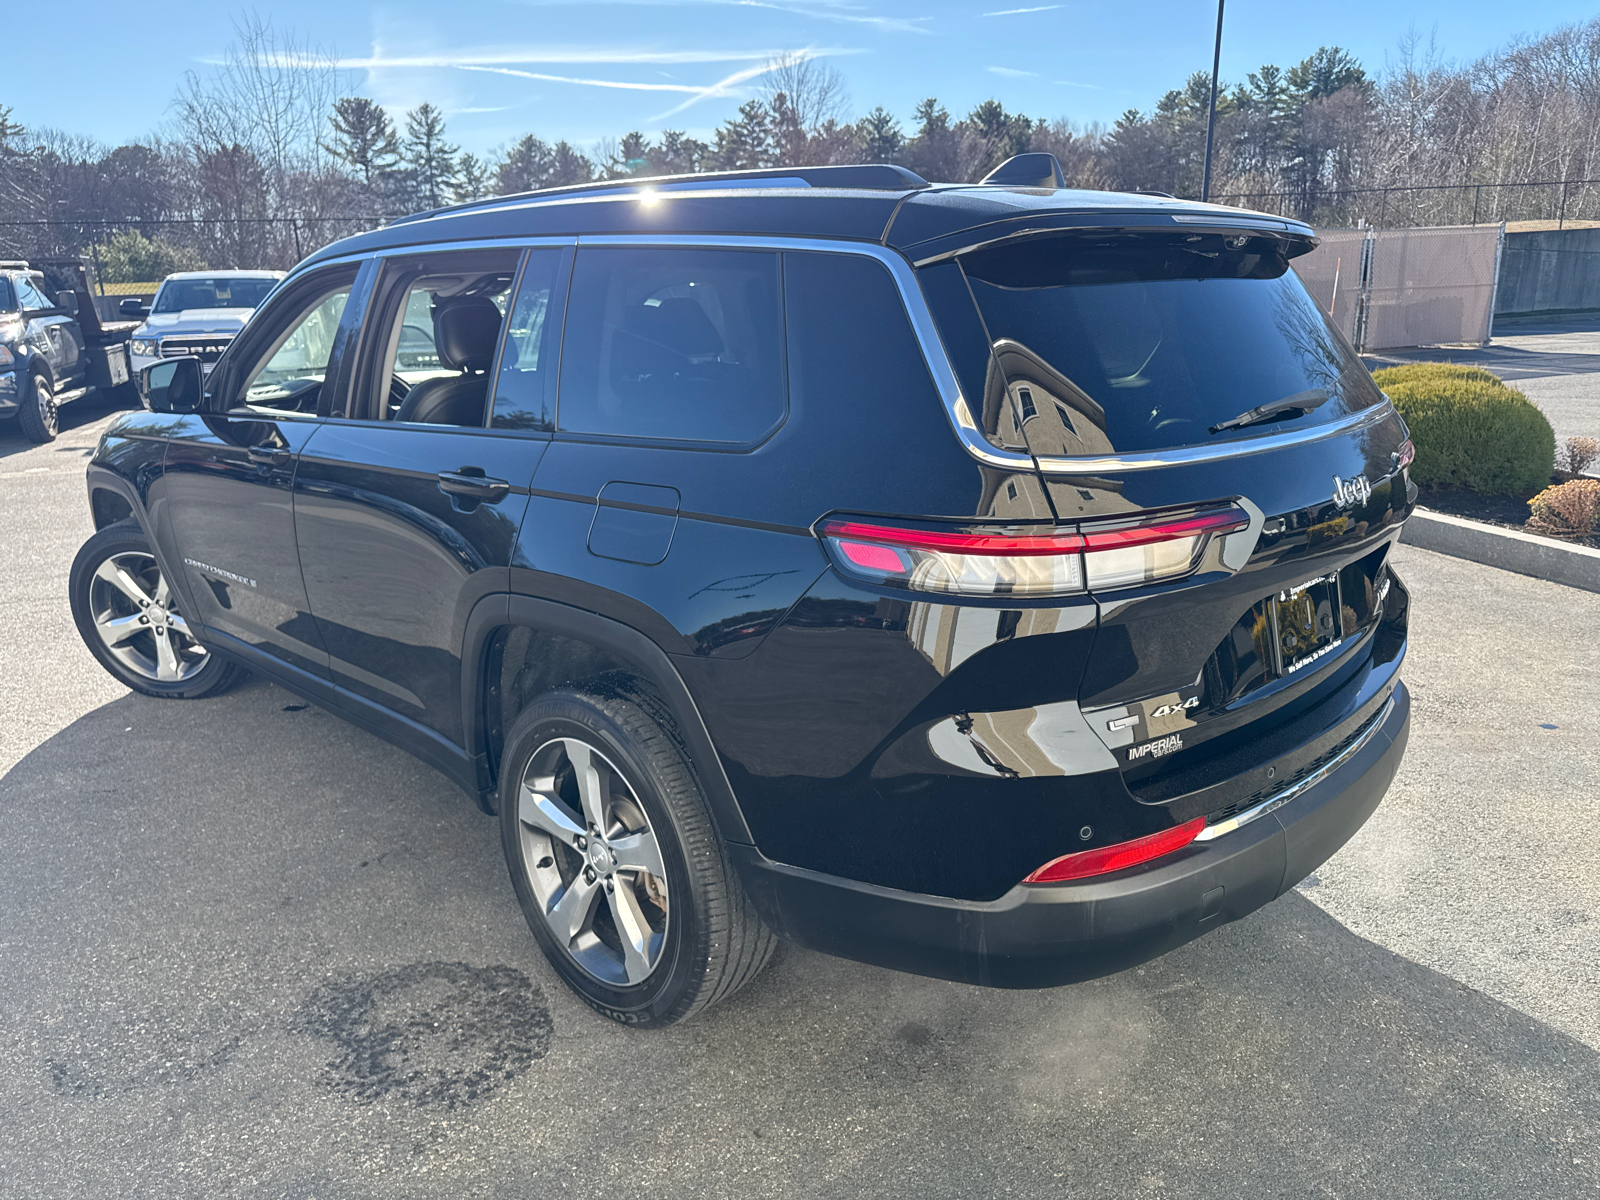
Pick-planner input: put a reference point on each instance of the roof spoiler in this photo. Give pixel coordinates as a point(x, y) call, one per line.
point(1027, 170)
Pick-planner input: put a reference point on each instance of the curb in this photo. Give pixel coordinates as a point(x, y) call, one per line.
point(1508, 549)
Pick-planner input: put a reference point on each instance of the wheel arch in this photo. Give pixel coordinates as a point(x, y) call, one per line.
point(603, 644)
point(113, 498)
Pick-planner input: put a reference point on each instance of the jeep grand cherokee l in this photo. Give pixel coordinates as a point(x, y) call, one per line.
point(986, 581)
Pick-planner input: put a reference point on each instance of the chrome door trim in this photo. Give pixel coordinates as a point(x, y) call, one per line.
point(1278, 800)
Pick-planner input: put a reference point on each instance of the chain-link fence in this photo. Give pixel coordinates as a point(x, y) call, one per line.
point(210, 243)
point(1332, 274)
point(1388, 288)
point(1558, 201)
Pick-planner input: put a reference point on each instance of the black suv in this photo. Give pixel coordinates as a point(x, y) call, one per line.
point(986, 581)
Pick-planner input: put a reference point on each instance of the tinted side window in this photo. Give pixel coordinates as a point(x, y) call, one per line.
point(852, 351)
point(8, 298)
point(683, 344)
point(524, 392)
point(33, 293)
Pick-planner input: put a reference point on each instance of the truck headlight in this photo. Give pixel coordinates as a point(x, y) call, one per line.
point(146, 347)
point(6, 357)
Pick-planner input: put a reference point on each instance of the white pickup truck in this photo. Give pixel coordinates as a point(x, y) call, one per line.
point(198, 313)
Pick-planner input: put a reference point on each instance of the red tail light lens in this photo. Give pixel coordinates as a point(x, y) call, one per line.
point(1014, 562)
point(1404, 456)
point(1118, 857)
point(997, 563)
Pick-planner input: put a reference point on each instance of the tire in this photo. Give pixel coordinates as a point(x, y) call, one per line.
point(38, 418)
point(131, 624)
point(699, 939)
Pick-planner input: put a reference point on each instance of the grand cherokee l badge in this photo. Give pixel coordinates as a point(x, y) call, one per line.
point(1347, 493)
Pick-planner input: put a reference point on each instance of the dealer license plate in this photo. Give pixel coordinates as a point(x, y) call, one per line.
point(1306, 620)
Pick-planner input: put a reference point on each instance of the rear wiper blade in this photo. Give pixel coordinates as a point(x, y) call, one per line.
point(1297, 405)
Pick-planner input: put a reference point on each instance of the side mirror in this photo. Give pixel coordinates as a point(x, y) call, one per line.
point(132, 306)
point(67, 302)
point(172, 385)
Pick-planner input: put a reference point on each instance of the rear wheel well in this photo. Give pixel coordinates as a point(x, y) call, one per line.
point(524, 663)
point(108, 508)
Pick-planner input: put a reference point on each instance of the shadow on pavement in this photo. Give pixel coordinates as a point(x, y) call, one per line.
point(73, 415)
point(1510, 363)
point(250, 951)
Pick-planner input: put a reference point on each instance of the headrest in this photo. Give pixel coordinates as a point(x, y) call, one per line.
point(465, 330)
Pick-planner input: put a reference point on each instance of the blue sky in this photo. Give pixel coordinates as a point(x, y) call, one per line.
point(583, 71)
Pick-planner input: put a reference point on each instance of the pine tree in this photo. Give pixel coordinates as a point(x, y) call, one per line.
point(567, 166)
point(677, 154)
point(881, 138)
point(364, 137)
point(430, 161)
point(472, 180)
point(523, 168)
point(746, 142)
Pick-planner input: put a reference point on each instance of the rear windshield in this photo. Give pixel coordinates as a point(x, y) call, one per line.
point(179, 294)
point(1130, 342)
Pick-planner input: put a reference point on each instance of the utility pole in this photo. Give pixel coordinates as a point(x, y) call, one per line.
point(1211, 115)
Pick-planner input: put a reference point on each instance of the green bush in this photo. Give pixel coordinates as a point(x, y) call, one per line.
point(1470, 429)
point(127, 256)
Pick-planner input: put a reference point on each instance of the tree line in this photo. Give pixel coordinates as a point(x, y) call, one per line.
point(268, 158)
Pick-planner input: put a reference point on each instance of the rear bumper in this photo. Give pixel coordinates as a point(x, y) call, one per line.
point(1043, 935)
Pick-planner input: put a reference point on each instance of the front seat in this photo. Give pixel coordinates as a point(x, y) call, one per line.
point(466, 330)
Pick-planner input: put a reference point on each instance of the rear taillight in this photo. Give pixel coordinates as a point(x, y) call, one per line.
point(1404, 456)
point(1152, 550)
point(1025, 561)
point(1118, 857)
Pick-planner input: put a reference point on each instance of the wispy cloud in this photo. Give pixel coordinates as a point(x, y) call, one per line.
point(624, 84)
point(1010, 72)
point(723, 87)
point(598, 55)
point(840, 14)
point(1093, 87)
point(1014, 12)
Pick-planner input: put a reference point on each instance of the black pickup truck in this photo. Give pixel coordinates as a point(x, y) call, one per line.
point(53, 345)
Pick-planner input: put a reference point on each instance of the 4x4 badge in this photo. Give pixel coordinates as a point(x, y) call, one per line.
point(1349, 492)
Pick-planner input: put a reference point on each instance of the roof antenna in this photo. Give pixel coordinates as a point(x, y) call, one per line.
point(1027, 170)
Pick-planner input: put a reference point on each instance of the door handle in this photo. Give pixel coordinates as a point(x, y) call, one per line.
point(266, 456)
point(475, 486)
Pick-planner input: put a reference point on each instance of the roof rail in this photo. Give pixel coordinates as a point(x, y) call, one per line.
point(14, 264)
point(866, 176)
point(1035, 170)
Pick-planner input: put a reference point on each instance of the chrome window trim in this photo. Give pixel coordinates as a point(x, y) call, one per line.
point(1111, 464)
point(916, 306)
point(957, 410)
point(1274, 802)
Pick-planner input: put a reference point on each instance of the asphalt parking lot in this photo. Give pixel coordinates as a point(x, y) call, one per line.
point(249, 951)
point(1555, 361)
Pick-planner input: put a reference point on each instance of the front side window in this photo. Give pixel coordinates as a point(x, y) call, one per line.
point(678, 344)
point(1136, 342)
point(8, 297)
point(291, 376)
point(223, 292)
point(448, 311)
point(32, 292)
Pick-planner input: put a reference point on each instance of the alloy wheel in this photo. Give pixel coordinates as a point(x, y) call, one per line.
point(586, 839)
point(137, 618)
point(44, 398)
